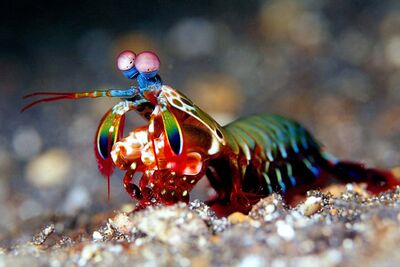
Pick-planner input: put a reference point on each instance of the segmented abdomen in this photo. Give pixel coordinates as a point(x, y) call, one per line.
point(274, 153)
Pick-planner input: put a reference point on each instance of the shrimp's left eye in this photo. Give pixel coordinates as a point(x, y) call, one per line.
point(147, 63)
point(126, 60)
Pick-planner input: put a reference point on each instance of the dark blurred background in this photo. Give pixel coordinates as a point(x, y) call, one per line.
point(332, 65)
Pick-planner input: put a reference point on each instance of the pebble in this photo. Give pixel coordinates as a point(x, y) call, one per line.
point(122, 223)
point(285, 230)
point(311, 205)
point(238, 217)
point(90, 252)
point(41, 237)
point(97, 236)
point(269, 208)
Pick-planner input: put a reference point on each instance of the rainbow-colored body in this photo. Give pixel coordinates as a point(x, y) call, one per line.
point(244, 161)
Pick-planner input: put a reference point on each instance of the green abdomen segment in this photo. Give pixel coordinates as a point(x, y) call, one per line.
point(274, 153)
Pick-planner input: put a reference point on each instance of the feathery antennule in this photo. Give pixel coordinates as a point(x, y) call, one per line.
point(52, 96)
point(46, 93)
point(45, 100)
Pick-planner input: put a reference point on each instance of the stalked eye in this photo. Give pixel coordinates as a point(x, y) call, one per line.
point(126, 60)
point(147, 63)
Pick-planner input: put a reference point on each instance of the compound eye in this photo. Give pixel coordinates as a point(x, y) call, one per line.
point(126, 60)
point(147, 63)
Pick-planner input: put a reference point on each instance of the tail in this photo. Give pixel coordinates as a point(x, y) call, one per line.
point(377, 180)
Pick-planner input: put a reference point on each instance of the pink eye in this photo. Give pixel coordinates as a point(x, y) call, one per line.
point(126, 60)
point(147, 62)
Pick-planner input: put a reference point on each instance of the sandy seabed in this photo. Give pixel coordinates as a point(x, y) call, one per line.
point(346, 227)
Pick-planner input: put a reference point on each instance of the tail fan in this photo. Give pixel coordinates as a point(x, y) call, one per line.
point(377, 180)
point(110, 130)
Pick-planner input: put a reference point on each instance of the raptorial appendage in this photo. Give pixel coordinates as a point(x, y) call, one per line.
point(166, 177)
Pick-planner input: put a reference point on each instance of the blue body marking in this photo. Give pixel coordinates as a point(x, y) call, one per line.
point(122, 93)
point(131, 73)
point(145, 83)
point(149, 75)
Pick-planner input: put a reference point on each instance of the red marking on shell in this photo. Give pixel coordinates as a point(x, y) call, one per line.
point(147, 62)
point(126, 60)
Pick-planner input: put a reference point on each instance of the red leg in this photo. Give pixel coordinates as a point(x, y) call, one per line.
point(132, 189)
point(238, 198)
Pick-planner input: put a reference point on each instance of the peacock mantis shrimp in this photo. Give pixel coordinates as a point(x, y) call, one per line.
point(244, 161)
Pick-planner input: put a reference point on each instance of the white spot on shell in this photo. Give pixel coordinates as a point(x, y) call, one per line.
point(214, 146)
